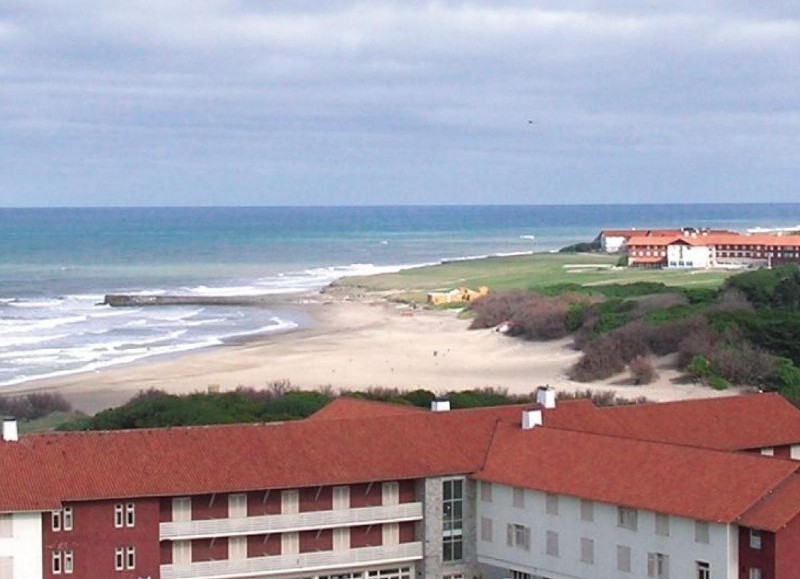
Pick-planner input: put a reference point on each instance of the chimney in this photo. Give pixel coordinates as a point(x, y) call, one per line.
point(440, 405)
point(546, 396)
point(10, 433)
point(531, 418)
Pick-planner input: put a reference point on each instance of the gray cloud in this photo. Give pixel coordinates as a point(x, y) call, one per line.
point(178, 102)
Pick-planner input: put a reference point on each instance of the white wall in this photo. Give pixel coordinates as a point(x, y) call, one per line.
point(24, 545)
point(612, 243)
point(680, 545)
point(679, 255)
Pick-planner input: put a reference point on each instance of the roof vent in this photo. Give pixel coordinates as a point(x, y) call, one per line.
point(531, 418)
point(440, 405)
point(546, 396)
point(10, 432)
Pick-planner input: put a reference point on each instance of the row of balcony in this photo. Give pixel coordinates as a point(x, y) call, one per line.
point(310, 563)
point(288, 523)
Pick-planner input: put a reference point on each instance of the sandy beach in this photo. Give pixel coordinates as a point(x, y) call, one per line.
point(356, 344)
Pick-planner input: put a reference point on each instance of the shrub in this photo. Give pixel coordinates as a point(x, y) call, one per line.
point(718, 383)
point(642, 370)
point(34, 405)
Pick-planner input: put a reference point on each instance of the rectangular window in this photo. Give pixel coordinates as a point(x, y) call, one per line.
point(181, 509)
point(701, 534)
point(486, 529)
point(551, 544)
point(67, 518)
point(624, 558)
point(56, 559)
point(587, 510)
point(6, 526)
point(518, 575)
point(551, 504)
point(627, 518)
point(237, 506)
point(119, 518)
point(754, 573)
point(658, 565)
point(452, 519)
point(130, 557)
point(662, 525)
point(390, 494)
point(69, 562)
point(486, 492)
point(518, 536)
point(755, 539)
point(290, 502)
point(703, 570)
point(119, 558)
point(55, 520)
point(130, 515)
point(518, 498)
point(587, 550)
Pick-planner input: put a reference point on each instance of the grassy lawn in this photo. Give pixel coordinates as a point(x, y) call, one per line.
point(527, 272)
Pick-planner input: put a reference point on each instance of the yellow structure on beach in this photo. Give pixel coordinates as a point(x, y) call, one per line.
point(454, 296)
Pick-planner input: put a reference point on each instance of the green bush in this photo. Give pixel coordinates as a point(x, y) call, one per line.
point(718, 383)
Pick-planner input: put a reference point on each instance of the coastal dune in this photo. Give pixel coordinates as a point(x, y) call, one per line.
point(354, 345)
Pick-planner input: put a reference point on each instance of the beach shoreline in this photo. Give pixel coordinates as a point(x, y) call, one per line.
point(357, 341)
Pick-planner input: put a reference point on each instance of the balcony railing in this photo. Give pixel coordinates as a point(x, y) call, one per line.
point(311, 563)
point(308, 521)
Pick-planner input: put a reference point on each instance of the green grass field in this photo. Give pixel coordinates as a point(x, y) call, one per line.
point(528, 272)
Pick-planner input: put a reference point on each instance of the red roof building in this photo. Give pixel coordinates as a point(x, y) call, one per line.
point(374, 491)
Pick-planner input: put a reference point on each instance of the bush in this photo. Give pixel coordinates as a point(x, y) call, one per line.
point(718, 383)
point(642, 370)
point(531, 316)
point(34, 405)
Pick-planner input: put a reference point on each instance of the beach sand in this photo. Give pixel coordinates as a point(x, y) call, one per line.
point(357, 344)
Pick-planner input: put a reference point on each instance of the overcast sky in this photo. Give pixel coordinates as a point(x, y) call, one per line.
point(239, 102)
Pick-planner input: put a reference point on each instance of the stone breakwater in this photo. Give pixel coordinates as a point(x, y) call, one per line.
point(135, 300)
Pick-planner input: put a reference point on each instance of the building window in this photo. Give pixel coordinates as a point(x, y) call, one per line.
point(754, 573)
point(119, 559)
point(512, 574)
point(551, 544)
point(755, 539)
point(703, 570)
point(130, 515)
point(587, 550)
point(486, 492)
point(130, 557)
point(627, 518)
point(518, 536)
point(55, 520)
point(56, 559)
point(662, 525)
point(551, 504)
point(118, 515)
point(518, 498)
point(701, 534)
point(587, 510)
point(486, 529)
point(624, 558)
point(67, 518)
point(658, 565)
point(69, 562)
point(452, 519)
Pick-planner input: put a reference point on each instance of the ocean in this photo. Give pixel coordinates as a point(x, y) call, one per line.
point(57, 264)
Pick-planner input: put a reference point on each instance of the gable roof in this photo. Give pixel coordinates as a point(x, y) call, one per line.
point(691, 482)
point(724, 423)
point(359, 408)
point(776, 509)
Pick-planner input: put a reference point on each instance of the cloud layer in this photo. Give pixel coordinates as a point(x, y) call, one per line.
point(235, 102)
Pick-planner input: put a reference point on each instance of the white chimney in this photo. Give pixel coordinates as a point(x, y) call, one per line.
point(440, 405)
point(10, 433)
point(546, 396)
point(531, 418)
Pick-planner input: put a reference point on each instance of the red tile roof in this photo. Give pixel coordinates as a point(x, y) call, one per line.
point(357, 408)
point(776, 509)
point(727, 423)
point(690, 482)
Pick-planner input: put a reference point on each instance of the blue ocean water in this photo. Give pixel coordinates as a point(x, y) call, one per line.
point(56, 264)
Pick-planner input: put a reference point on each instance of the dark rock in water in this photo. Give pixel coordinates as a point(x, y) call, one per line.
point(128, 300)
